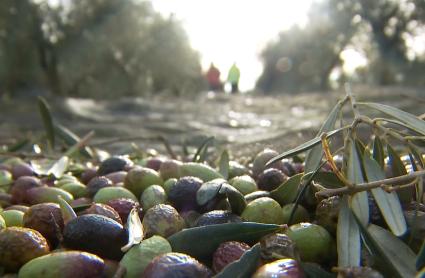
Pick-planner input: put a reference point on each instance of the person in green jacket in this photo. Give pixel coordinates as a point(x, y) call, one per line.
point(233, 78)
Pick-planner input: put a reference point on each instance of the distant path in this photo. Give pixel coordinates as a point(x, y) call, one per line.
point(245, 123)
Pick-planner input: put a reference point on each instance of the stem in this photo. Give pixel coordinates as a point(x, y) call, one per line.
point(27, 155)
point(369, 185)
point(133, 138)
point(352, 100)
point(390, 189)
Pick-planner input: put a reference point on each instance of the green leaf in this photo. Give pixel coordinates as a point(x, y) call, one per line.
point(71, 139)
point(224, 164)
point(396, 251)
point(209, 191)
point(236, 199)
point(59, 167)
point(245, 266)
point(420, 259)
point(304, 147)
point(417, 156)
point(208, 238)
point(18, 145)
point(377, 251)
point(202, 150)
point(134, 228)
point(328, 180)
point(399, 169)
point(347, 237)
point(388, 203)
point(313, 270)
point(67, 211)
point(305, 185)
point(287, 192)
point(45, 167)
point(46, 116)
point(358, 201)
point(411, 121)
point(314, 156)
point(378, 152)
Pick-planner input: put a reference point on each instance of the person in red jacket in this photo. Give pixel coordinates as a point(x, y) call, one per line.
point(213, 78)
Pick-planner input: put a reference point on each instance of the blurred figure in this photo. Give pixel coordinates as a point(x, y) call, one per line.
point(213, 78)
point(233, 78)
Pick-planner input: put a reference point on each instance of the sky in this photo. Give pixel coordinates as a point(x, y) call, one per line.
point(227, 31)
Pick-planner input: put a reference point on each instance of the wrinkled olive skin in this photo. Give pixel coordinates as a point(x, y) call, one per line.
point(47, 219)
point(19, 245)
point(278, 245)
point(228, 252)
point(21, 186)
point(123, 206)
point(176, 265)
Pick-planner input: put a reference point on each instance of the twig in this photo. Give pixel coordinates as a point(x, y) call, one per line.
point(27, 155)
point(83, 142)
point(352, 100)
point(123, 139)
point(133, 138)
point(390, 189)
point(369, 185)
point(330, 160)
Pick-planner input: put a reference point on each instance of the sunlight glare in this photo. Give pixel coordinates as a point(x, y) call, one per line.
point(234, 31)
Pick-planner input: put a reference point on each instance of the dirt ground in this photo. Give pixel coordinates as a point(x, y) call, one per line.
point(244, 123)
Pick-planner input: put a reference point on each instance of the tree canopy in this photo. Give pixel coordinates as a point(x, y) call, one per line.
point(304, 58)
point(102, 48)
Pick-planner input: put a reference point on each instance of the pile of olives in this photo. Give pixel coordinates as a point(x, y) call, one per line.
point(172, 197)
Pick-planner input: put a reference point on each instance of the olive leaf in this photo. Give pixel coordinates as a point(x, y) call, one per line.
point(46, 116)
point(223, 164)
point(249, 232)
point(399, 169)
point(411, 121)
point(358, 201)
point(314, 156)
point(67, 211)
point(245, 266)
point(209, 191)
point(305, 146)
point(388, 203)
point(304, 186)
point(287, 192)
point(45, 167)
point(420, 259)
point(236, 199)
point(400, 257)
point(328, 180)
point(347, 237)
point(378, 152)
point(18, 145)
point(71, 139)
point(419, 185)
point(59, 167)
point(202, 151)
point(135, 229)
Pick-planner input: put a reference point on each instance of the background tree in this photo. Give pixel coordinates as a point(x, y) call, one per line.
point(304, 58)
point(96, 48)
